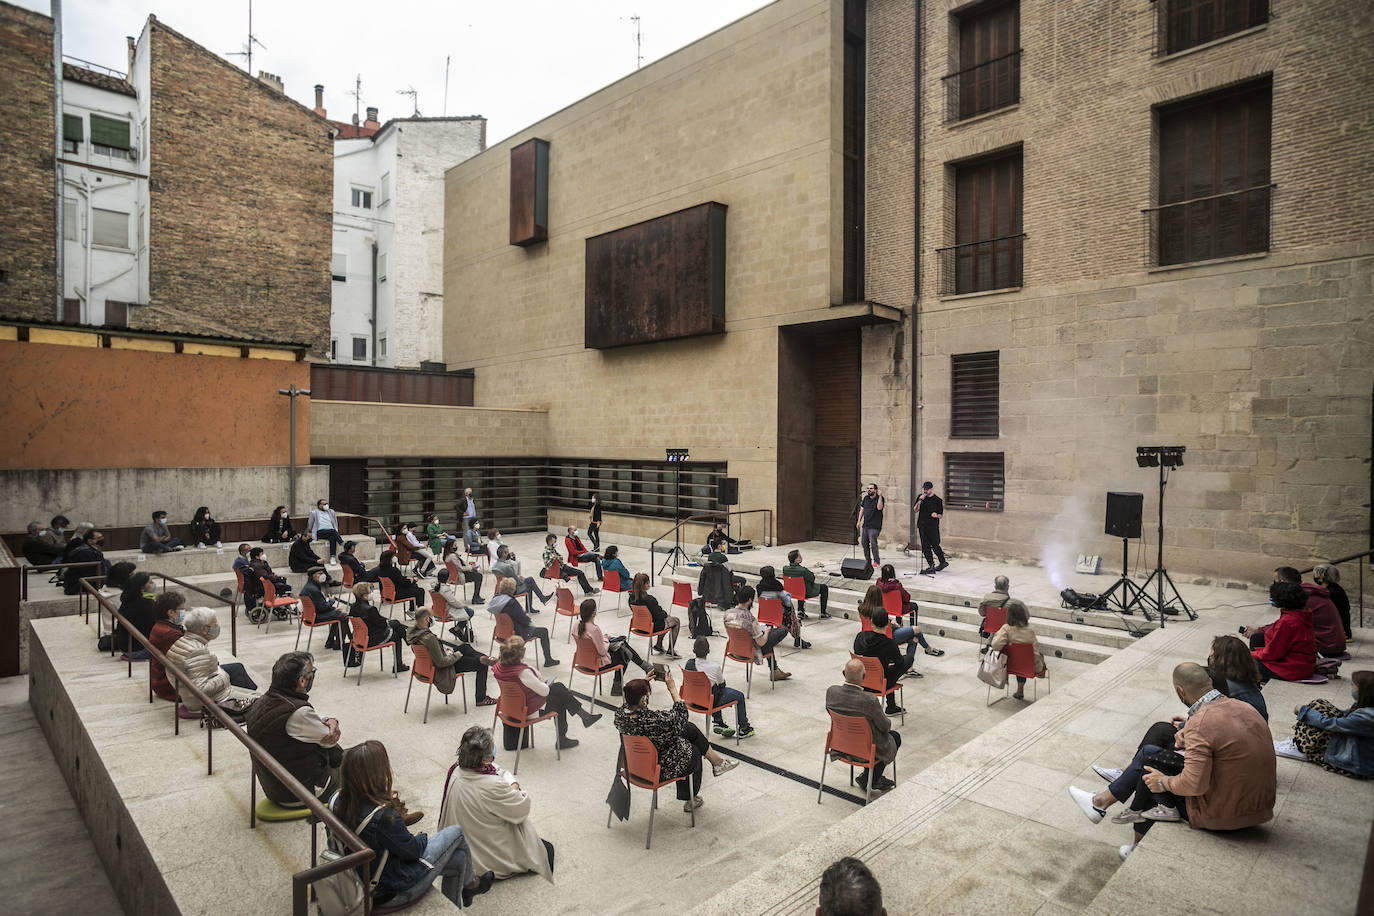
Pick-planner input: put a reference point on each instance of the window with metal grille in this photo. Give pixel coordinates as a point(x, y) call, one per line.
point(975, 480)
point(1186, 24)
point(987, 227)
point(973, 406)
point(1214, 188)
point(989, 74)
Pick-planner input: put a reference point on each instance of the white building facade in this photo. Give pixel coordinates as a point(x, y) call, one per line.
point(387, 259)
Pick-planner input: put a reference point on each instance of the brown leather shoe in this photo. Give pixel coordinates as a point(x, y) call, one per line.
point(413, 817)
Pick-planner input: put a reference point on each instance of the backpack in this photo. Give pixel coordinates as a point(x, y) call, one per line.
point(698, 621)
point(344, 893)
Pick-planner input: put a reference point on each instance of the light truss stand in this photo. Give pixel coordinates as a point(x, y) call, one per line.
point(1130, 593)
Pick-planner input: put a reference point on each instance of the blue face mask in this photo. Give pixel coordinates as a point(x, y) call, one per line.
point(181, 617)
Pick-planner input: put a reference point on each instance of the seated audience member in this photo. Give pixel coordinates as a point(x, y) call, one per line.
point(494, 812)
point(1329, 578)
point(405, 587)
point(1328, 630)
point(323, 525)
point(191, 653)
point(117, 578)
point(349, 558)
point(909, 636)
point(472, 539)
point(279, 529)
point(888, 582)
point(379, 629)
point(848, 888)
point(1228, 778)
point(458, 612)
point(301, 557)
point(288, 727)
point(566, 572)
point(1230, 659)
point(409, 862)
point(1287, 648)
point(716, 584)
point(504, 603)
point(794, 567)
point(493, 545)
point(169, 608)
point(850, 699)
point(87, 550)
point(680, 744)
point(436, 536)
point(720, 693)
point(135, 606)
point(38, 550)
point(507, 565)
point(449, 664)
point(241, 561)
point(770, 587)
point(471, 573)
point(419, 551)
point(540, 694)
point(204, 528)
point(1018, 629)
point(641, 596)
point(325, 607)
point(611, 562)
point(578, 553)
point(999, 597)
point(875, 643)
point(258, 565)
point(1341, 740)
point(615, 650)
point(56, 533)
point(156, 538)
point(741, 617)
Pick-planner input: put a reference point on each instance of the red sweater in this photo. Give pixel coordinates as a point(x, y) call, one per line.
point(1326, 620)
point(164, 634)
point(1290, 645)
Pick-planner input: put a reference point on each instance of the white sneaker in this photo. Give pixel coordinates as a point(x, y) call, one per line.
point(219, 544)
point(333, 562)
point(1084, 801)
point(1125, 851)
point(1127, 816)
point(1286, 748)
point(200, 547)
point(1161, 813)
point(726, 765)
point(1110, 774)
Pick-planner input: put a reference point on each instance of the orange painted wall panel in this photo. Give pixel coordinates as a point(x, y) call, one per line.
point(73, 407)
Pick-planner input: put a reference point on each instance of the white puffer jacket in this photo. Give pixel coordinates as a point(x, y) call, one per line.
point(191, 653)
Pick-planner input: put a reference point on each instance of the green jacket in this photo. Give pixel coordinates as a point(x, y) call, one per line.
point(436, 546)
point(812, 589)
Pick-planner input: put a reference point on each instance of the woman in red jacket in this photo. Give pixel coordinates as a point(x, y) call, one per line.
point(168, 609)
point(1287, 648)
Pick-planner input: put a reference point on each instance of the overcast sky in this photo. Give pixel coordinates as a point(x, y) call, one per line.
point(514, 62)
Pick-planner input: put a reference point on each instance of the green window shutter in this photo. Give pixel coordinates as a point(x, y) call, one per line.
point(109, 132)
point(72, 128)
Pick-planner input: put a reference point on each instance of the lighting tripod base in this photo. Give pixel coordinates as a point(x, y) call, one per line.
point(1166, 605)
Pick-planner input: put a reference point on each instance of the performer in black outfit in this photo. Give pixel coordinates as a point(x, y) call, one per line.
point(870, 523)
point(594, 522)
point(929, 509)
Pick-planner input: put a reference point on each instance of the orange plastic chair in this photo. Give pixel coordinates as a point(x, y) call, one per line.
point(359, 642)
point(308, 619)
point(851, 739)
point(1021, 661)
point(612, 584)
point(503, 630)
point(586, 661)
point(875, 681)
point(422, 670)
point(272, 602)
point(642, 624)
point(455, 576)
point(866, 624)
point(994, 618)
point(892, 603)
point(696, 694)
point(496, 586)
point(770, 612)
point(510, 709)
point(682, 598)
point(642, 771)
point(739, 647)
point(796, 587)
point(439, 607)
point(389, 596)
point(348, 580)
point(554, 572)
point(565, 606)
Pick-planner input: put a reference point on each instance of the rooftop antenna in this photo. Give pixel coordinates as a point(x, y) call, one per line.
point(414, 100)
point(447, 58)
point(357, 93)
point(639, 42)
point(248, 46)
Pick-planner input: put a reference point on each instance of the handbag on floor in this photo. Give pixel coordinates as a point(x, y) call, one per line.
point(992, 669)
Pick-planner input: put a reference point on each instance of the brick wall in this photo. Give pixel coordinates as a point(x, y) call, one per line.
point(240, 203)
point(28, 285)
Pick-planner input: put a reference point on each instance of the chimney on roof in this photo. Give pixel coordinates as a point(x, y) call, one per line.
point(272, 80)
point(319, 100)
point(372, 118)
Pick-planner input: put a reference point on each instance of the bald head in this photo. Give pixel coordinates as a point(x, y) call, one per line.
point(853, 671)
point(1191, 680)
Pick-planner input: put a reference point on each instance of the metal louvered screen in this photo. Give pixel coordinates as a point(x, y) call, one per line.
point(973, 410)
point(975, 480)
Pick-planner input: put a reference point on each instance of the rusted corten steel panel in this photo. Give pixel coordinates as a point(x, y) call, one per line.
point(529, 192)
point(660, 279)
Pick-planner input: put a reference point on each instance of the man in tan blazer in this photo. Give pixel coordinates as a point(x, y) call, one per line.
point(850, 699)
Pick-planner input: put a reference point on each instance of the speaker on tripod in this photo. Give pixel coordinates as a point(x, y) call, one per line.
point(1124, 513)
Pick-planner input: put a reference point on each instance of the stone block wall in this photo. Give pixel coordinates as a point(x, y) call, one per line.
point(356, 429)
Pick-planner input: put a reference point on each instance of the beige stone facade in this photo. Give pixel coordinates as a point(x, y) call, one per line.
point(363, 429)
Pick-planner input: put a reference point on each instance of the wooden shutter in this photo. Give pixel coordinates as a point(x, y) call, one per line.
point(975, 480)
point(987, 209)
point(974, 394)
point(72, 127)
point(988, 77)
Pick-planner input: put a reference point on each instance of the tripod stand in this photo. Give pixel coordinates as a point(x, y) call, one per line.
point(677, 552)
point(1161, 575)
point(1131, 594)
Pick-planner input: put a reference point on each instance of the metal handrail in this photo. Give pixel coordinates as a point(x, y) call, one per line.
point(981, 64)
point(301, 880)
point(27, 568)
point(1361, 556)
point(1197, 200)
point(85, 608)
point(1004, 238)
point(711, 518)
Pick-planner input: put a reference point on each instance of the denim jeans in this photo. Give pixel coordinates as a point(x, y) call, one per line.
point(595, 560)
point(449, 857)
point(527, 588)
point(868, 537)
point(909, 637)
point(332, 536)
point(775, 636)
point(159, 547)
point(741, 716)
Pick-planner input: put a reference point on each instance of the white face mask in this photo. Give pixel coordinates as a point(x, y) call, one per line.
point(476, 527)
point(212, 631)
point(324, 507)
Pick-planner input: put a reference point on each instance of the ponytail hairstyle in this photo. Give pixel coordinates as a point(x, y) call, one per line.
point(585, 612)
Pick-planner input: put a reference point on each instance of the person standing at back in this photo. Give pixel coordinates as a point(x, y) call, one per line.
point(870, 523)
point(469, 507)
point(594, 522)
point(929, 510)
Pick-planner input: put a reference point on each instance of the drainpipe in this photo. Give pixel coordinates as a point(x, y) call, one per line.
point(57, 149)
point(916, 366)
point(374, 304)
point(89, 256)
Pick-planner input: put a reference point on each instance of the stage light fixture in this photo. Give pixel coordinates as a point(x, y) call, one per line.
point(1146, 459)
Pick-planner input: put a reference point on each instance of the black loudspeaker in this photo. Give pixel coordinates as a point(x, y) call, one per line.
point(727, 491)
point(856, 568)
point(1123, 514)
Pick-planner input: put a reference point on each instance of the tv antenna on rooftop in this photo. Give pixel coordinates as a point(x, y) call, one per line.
point(357, 93)
point(247, 51)
point(414, 100)
point(639, 40)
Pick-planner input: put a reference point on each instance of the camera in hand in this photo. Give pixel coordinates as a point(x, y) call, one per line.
point(660, 671)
